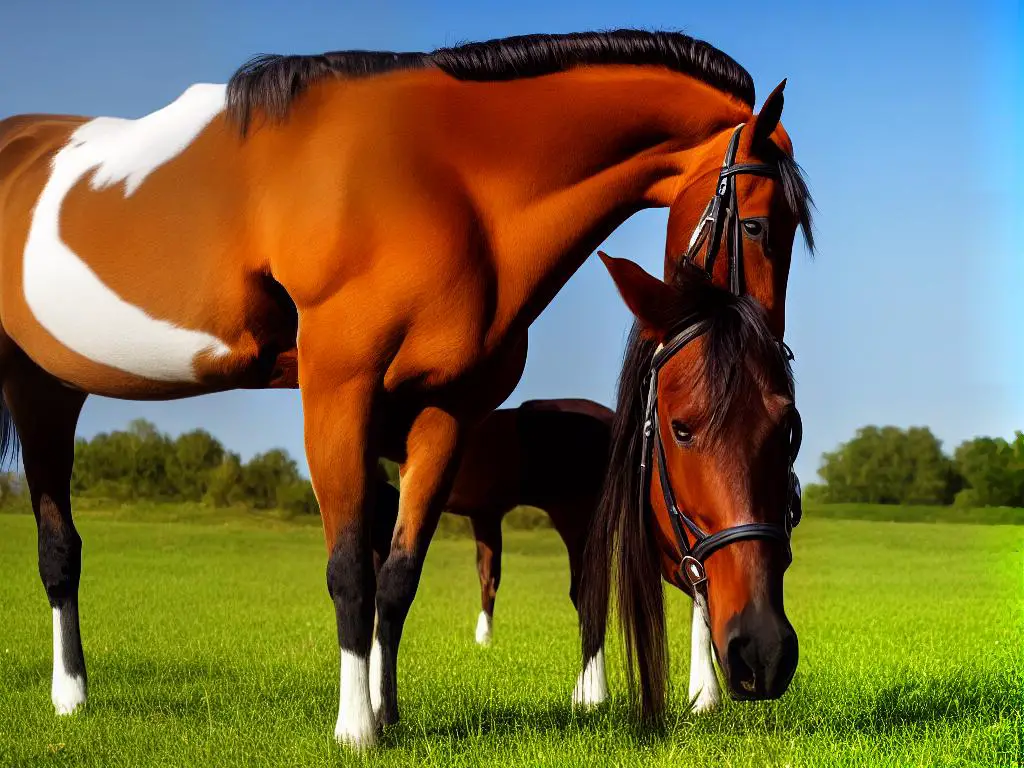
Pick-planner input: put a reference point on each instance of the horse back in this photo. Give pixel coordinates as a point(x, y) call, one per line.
point(545, 453)
point(564, 452)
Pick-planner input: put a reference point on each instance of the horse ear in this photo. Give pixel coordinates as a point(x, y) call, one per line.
point(648, 298)
point(768, 118)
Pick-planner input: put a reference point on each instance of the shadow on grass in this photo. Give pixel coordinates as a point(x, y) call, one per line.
point(199, 693)
point(501, 722)
point(914, 704)
point(926, 701)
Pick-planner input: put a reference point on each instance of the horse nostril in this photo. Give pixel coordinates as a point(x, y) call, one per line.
point(742, 660)
point(785, 668)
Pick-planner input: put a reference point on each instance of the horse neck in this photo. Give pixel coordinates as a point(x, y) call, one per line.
point(556, 164)
point(552, 165)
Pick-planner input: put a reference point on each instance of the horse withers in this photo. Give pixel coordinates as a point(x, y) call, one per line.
point(378, 230)
point(550, 454)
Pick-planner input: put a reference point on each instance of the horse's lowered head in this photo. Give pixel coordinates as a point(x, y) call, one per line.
point(701, 489)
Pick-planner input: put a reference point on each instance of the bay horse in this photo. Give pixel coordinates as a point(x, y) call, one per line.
point(549, 454)
point(705, 436)
point(376, 229)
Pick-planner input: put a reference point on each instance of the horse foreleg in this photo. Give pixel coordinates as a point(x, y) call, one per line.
point(426, 480)
point(338, 430)
point(591, 685)
point(45, 414)
point(705, 692)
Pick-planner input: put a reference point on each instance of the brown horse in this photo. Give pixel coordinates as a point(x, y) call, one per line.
point(700, 491)
point(549, 454)
point(376, 229)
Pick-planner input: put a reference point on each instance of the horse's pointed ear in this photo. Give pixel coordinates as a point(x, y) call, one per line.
point(648, 298)
point(768, 118)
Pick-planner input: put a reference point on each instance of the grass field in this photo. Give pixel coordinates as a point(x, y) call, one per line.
point(213, 643)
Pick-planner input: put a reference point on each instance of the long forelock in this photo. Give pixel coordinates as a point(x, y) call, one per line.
point(741, 359)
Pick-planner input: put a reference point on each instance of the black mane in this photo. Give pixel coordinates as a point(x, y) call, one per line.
point(739, 352)
point(269, 83)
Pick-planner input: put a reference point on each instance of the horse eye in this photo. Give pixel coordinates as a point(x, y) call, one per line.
point(753, 228)
point(682, 433)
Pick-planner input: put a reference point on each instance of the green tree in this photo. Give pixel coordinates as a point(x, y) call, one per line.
point(889, 465)
point(14, 491)
point(195, 456)
point(264, 473)
point(297, 498)
point(124, 465)
point(224, 486)
point(993, 471)
point(152, 452)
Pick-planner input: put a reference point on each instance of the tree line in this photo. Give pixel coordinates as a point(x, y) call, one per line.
point(142, 463)
point(879, 465)
point(889, 465)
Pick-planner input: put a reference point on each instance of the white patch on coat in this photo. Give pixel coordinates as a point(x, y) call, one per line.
point(483, 629)
point(66, 297)
point(376, 679)
point(356, 726)
point(591, 686)
point(67, 691)
point(704, 690)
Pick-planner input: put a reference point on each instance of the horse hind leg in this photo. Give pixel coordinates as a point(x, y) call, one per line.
point(571, 522)
point(487, 532)
point(45, 414)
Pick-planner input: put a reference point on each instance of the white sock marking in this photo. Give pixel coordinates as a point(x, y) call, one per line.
point(591, 687)
point(66, 297)
point(67, 691)
point(483, 629)
point(356, 726)
point(376, 679)
point(704, 687)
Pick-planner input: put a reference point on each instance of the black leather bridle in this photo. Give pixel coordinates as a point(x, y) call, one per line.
point(720, 217)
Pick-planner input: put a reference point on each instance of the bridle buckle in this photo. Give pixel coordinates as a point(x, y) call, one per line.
point(693, 570)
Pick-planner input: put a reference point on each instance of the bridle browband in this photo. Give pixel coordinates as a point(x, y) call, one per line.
point(720, 217)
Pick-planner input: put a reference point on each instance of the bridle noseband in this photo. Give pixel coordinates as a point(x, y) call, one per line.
point(720, 216)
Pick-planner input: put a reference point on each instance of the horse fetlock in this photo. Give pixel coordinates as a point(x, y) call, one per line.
point(67, 692)
point(356, 726)
point(707, 699)
point(483, 629)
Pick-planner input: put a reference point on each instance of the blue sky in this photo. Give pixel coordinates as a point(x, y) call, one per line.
point(905, 116)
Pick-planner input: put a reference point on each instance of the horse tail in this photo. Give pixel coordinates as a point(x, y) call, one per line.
point(621, 540)
point(9, 443)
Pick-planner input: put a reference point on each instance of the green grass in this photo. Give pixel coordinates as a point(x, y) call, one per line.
point(212, 642)
point(894, 513)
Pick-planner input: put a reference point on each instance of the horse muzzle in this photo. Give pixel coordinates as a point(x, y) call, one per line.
point(761, 654)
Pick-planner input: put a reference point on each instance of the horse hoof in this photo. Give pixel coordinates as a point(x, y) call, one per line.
point(705, 703)
point(355, 737)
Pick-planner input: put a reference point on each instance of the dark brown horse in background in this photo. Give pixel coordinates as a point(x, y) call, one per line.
point(549, 454)
point(378, 230)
